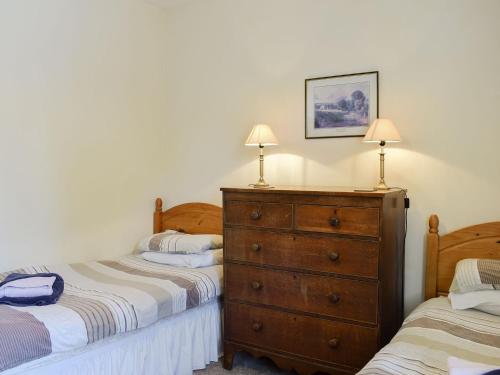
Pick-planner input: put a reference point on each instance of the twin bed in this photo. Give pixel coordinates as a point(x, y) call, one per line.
point(125, 316)
point(433, 332)
point(131, 316)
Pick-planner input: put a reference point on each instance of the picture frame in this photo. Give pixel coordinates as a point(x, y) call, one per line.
point(340, 106)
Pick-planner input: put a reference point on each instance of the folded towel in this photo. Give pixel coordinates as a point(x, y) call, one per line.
point(459, 366)
point(28, 287)
point(13, 292)
point(33, 281)
point(31, 289)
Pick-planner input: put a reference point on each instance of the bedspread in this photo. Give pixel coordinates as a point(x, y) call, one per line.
point(101, 299)
point(434, 332)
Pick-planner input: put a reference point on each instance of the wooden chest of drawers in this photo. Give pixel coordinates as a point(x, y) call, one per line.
point(313, 276)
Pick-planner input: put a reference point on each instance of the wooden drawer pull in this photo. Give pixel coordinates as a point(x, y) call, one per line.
point(257, 326)
point(256, 285)
point(256, 247)
point(334, 298)
point(255, 215)
point(334, 256)
point(333, 343)
point(334, 221)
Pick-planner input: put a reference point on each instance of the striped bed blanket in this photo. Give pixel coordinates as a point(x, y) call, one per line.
point(101, 299)
point(434, 332)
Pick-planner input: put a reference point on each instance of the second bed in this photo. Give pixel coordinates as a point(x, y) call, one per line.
point(434, 331)
point(123, 316)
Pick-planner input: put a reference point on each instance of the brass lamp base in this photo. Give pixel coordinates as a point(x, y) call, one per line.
point(382, 186)
point(257, 186)
point(261, 184)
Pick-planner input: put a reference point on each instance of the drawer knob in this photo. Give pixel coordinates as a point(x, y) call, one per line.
point(334, 256)
point(333, 343)
point(256, 285)
point(257, 326)
point(334, 298)
point(256, 247)
point(334, 221)
point(255, 215)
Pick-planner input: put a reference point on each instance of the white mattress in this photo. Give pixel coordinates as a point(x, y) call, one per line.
point(176, 345)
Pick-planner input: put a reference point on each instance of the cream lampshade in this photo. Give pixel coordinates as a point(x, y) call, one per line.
point(261, 135)
point(382, 131)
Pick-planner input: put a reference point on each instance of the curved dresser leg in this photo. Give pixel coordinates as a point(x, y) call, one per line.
point(228, 357)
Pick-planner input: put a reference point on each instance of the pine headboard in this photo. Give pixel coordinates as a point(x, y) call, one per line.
point(192, 218)
point(443, 252)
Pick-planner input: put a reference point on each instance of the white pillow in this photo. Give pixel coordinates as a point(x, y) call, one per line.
point(482, 300)
point(476, 274)
point(208, 258)
point(457, 366)
point(171, 241)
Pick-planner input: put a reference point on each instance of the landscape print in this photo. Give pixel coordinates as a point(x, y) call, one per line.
point(342, 105)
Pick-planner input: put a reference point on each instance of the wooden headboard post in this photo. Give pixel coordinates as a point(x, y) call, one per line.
point(157, 216)
point(432, 257)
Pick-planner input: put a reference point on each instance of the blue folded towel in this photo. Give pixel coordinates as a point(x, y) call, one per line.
point(57, 290)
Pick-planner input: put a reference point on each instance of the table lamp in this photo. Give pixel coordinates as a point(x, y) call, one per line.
point(261, 135)
point(382, 131)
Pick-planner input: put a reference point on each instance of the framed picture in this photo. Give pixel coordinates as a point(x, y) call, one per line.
point(341, 106)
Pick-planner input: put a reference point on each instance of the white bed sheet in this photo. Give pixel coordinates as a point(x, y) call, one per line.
point(176, 345)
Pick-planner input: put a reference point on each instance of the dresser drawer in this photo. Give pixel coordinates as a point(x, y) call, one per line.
point(324, 295)
point(314, 338)
point(307, 252)
point(333, 219)
point(265, 215)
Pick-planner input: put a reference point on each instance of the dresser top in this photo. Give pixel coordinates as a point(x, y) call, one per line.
point(317, 190)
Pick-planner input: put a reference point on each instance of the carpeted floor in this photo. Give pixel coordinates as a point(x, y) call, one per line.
point(244, 364)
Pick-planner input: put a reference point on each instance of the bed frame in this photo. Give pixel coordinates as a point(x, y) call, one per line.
point(192, 218)
point(443, 252)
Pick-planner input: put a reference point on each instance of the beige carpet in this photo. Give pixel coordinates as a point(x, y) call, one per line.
point(244, 364)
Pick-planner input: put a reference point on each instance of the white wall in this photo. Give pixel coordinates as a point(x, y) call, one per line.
point(82, 95)
point(237, 62)
point(105, 104)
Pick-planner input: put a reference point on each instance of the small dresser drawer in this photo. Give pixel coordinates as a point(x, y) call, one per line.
point(264, 215)
point(333, 219)
point(309, 337)
point(324, 295)
point(306, 252)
